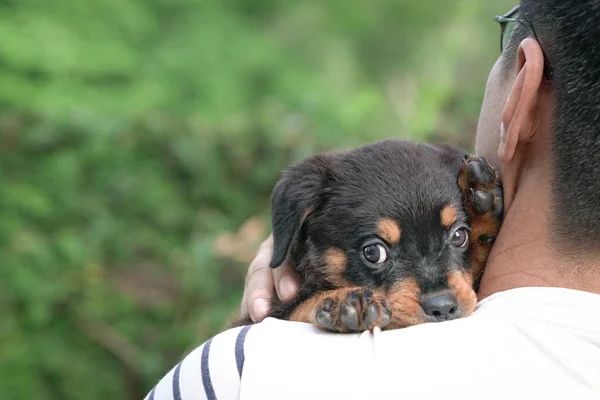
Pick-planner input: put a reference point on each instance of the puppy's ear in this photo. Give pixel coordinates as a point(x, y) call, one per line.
point(300, 190)
point(453, 155)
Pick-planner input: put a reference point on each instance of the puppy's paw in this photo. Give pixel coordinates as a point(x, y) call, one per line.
point(352, 310)
point(484, 203)
point(480, 186)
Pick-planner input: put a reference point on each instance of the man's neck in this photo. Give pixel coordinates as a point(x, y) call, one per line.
point(523, 255)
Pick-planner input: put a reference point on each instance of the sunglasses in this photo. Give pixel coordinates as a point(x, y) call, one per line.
point(508, 23)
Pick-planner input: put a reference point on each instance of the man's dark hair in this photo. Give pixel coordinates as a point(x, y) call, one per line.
point(569, 33)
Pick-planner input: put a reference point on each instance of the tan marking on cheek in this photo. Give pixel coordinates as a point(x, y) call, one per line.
point(462, 282)
point(448, 216)
point(389, 230)
point(335, 267)
point(403, 299)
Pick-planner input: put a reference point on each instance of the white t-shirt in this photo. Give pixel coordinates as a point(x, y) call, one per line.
point(528, 343)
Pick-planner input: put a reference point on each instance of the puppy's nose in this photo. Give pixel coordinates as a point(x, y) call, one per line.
point(441, 306)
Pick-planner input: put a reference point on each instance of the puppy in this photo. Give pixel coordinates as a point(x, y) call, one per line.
point(388, 235)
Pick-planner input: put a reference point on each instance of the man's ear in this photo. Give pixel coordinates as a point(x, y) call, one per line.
point(296, 195)
point(518, 116)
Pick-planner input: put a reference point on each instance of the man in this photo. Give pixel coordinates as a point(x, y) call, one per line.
point(536, 332)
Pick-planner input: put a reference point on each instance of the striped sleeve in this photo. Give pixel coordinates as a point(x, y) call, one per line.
point(211, 371)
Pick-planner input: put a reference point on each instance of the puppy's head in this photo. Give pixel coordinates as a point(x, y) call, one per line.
point(387, 216)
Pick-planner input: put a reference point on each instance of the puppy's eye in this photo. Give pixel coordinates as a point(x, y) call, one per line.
point(375, 253)
point(460, 238)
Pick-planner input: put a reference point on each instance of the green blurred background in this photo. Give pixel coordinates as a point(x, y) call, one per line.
point(140, 141)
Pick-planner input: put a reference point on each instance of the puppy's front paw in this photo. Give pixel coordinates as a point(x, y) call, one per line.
point(352, 310)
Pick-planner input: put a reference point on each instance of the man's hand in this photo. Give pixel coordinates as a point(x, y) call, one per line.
point(262, 282)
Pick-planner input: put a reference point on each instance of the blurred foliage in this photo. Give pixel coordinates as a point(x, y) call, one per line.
point(140, 141)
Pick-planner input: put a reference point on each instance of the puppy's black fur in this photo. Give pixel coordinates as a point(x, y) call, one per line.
point(389, 234)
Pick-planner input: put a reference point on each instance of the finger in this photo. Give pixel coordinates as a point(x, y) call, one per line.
point(259, 287)
point(286, 281)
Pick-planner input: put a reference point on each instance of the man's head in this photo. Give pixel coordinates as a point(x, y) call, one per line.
point(531, 121)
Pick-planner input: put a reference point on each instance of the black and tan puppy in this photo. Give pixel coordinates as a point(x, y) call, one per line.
point(391, 234)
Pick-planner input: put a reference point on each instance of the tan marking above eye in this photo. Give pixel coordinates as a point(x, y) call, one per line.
point(389, 230)
point(448, 216)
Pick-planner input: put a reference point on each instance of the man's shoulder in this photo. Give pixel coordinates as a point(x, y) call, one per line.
point(535, 341)
point(281, 355)
point(519, 336)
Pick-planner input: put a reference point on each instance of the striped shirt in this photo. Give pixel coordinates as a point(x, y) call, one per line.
point(523, 343)
point(226, 349)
